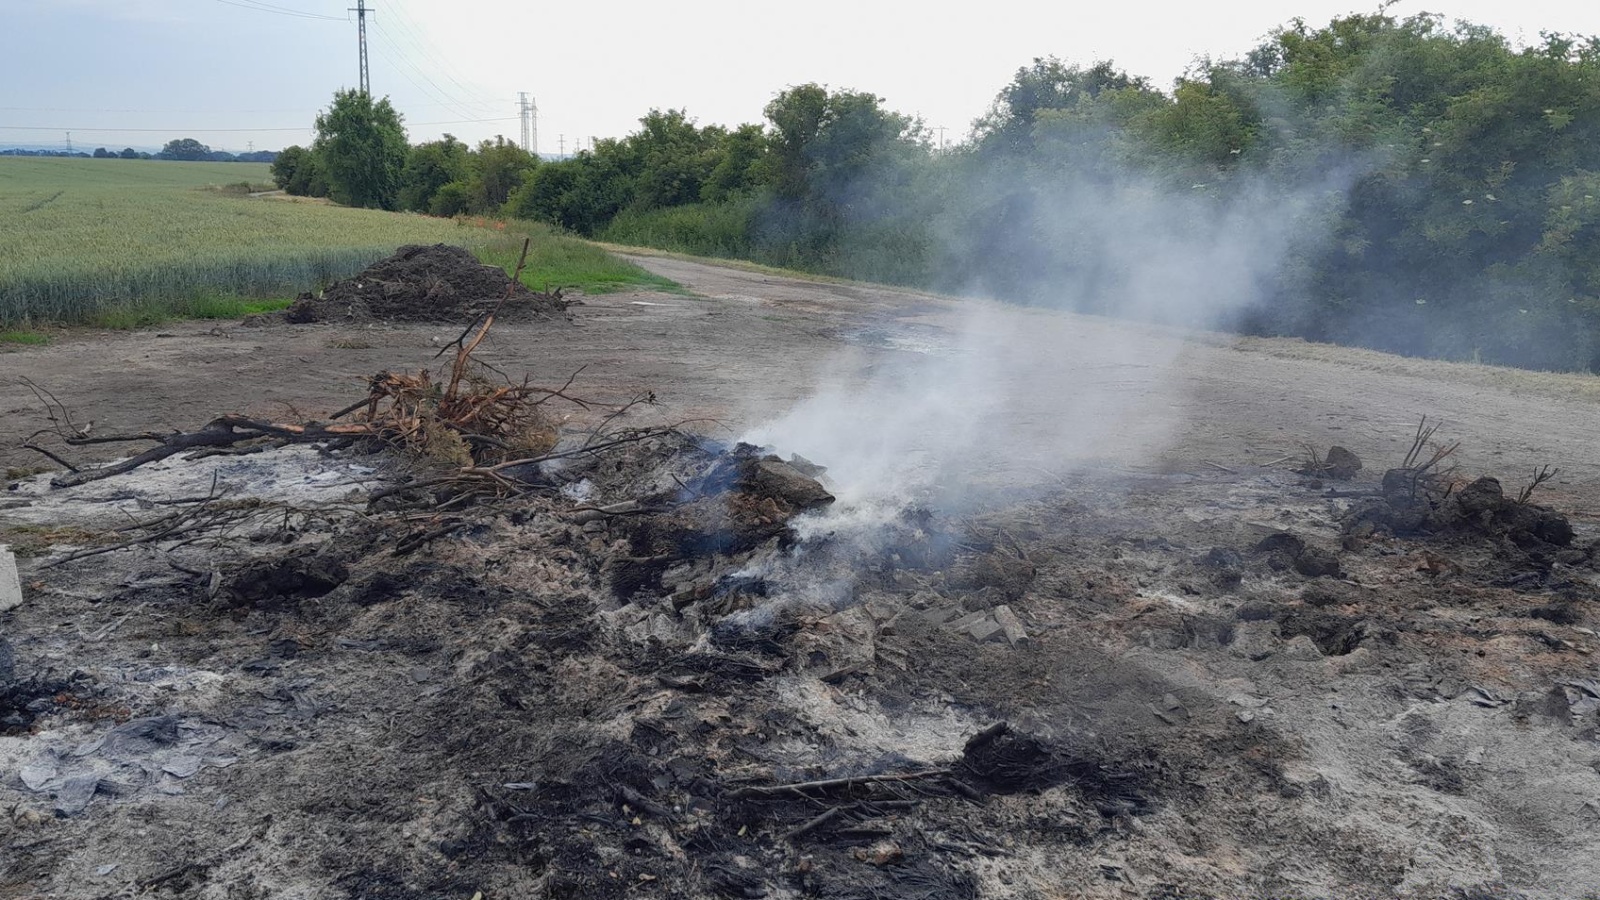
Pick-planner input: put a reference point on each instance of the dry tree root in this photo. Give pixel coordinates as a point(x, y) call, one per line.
point(1422, 479)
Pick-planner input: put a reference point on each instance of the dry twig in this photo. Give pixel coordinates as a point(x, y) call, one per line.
point(1540, 476)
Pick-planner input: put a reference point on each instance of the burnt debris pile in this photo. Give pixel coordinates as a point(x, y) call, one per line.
point(1426, 495)
point(502, 649)
point(1415, 503)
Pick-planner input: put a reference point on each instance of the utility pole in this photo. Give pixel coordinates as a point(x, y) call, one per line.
point(940, 129)
point(528, 108)
point(561, 144)
point(361, 33)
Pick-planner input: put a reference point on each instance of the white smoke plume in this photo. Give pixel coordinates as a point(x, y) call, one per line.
point(1019, 392)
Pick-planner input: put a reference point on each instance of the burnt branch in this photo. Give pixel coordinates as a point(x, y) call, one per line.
point(1540, 476)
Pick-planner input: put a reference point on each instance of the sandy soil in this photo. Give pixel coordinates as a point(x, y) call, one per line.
point(1193, 713)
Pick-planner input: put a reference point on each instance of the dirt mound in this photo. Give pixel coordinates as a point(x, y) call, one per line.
point(1412, 505)
point(438, 283)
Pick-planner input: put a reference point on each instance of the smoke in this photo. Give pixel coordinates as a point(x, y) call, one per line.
point(1013, 395)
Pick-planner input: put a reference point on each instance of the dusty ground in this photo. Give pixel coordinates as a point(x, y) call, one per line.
point(498, 713)
point(1234, 401)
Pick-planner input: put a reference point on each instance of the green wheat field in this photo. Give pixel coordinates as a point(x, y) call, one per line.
point(122, 243)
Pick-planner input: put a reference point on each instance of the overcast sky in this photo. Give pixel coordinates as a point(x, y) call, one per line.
point(240, 73)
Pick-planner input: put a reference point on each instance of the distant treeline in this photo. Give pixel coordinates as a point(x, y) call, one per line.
point(1403, 184)
point(185, 149)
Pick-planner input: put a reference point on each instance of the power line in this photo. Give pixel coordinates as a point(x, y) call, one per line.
point(84, 109)
point(406, 66)
point(411, 72)
point(418, 39)
point(279, 10)
point(222, 130)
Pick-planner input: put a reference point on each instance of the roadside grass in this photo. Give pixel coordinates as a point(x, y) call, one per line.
point(720, 230)
point(555, 260)
point(24, 337)
point(204, 306)
point(131, 243)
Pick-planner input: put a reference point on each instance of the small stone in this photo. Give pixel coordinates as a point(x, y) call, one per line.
point(1284, 542)
point(1341, 464)
point(1314, 562)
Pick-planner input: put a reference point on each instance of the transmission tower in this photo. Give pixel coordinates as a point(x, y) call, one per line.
point(361, 34)
point(528, 108)
point(69, 142)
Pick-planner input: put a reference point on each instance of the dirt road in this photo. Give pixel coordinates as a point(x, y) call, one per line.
point(747, 346)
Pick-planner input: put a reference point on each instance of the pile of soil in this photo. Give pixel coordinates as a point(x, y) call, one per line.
point(438, 283)
point(1410, 505)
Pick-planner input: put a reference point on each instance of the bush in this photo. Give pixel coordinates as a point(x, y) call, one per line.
point(704, 229)
point(453, 199)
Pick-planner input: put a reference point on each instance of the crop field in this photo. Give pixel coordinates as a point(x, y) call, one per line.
point(120, 242)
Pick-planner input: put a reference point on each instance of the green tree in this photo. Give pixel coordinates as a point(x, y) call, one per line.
point(740, 163)
point(361, 150)
point(581, 194)
point(826, 144)
point(428, 168)
point(672, 158)
point(296, 170)
point(798, 116)
point(499, 168)
point(1047, 84)
point(187, 149)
